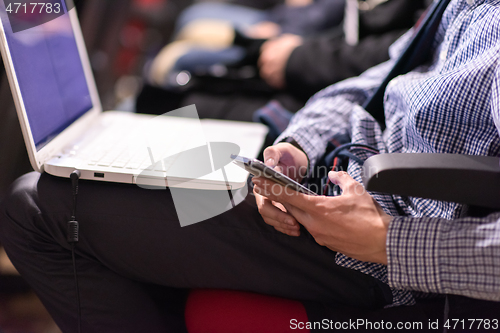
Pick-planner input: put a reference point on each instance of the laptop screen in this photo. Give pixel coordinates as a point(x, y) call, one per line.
point(50, 75)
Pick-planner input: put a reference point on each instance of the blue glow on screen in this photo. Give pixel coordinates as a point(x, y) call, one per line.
point(50, 76)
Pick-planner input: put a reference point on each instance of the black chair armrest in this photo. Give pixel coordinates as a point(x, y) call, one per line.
point(472, 180)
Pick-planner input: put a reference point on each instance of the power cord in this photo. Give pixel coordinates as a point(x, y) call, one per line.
point(73, 229)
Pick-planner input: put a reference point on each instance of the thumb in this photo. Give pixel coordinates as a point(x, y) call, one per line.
point(271, 156)
point(342, 179)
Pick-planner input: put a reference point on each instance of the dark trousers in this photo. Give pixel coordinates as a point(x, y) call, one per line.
point(130, 239)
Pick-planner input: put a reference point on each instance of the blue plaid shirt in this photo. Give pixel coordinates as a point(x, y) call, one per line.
point(449, 105)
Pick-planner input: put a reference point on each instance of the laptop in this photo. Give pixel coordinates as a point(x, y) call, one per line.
point(65, 129)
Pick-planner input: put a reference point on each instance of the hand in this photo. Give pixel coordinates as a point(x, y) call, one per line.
point(292, 161)
point(298, 3)
point(276, 215)
point(287, 159)
point(263, 30)
point(274, 55)
point(352, 223)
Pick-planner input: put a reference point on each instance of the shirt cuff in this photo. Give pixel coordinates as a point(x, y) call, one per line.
point(413, 254)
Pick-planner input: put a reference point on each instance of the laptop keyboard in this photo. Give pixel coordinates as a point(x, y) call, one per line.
point(119, 147)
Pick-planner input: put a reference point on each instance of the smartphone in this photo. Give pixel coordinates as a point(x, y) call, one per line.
point(259, 169)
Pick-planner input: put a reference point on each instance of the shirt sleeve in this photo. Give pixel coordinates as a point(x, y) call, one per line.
point(327, 113)
point(434, 255)
point(457, 256)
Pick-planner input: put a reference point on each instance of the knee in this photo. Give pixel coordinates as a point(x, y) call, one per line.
point(19, 205)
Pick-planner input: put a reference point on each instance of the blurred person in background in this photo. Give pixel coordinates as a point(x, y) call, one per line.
point(287, 68)
point(211, 33)
point(305, 65)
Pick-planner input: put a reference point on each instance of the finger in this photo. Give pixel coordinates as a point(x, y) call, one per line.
point(268, 45)
point(293, 233)
point(274, 81)
point(272, 156)
point(268, 67)
point(279, 205)
point(264, 56)
point(282, 227)
point(279, 224)
point(343, 179)
point(278, 168)
point(265, 74)
point(278, 80)
point(299, 215)
point(263, 60)
point(265, 46)
point(271, 212)
point(284, 220)
point(271, 71)
point(283, 194)
point(267, 51)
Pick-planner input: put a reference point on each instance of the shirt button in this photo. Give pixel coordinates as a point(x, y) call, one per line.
point(442, 55)
point(470, 2)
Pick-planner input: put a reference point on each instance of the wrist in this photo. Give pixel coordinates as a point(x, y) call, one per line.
point(294, 143)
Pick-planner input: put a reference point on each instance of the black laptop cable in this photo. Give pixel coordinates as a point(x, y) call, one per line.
point(73, 229)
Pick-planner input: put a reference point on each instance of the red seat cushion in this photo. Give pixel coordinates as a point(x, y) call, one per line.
point(220, 311)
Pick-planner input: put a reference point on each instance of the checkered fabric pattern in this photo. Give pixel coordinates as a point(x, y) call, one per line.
point(449, 105)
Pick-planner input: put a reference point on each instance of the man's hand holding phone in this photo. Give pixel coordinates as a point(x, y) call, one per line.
point(293, 162)
point(287, 159)
point(353, 223)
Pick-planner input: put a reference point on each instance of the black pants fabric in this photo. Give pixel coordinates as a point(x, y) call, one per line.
point(130, 239)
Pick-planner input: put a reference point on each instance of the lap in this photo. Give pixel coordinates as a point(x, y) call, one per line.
point(135, 232)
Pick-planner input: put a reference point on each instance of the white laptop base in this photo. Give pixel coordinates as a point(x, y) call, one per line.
point(113, 151)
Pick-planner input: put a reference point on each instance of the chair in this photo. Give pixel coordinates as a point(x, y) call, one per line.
point(471, 180)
